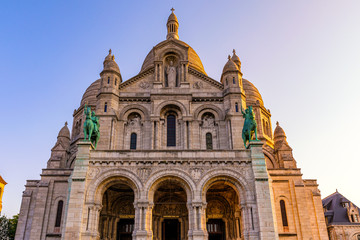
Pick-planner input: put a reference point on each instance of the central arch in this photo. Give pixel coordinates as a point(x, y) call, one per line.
point(169, 195)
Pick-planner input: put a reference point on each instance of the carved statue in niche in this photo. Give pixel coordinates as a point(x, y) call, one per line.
point(134, 120)
point(208, 120)
point(171, 74)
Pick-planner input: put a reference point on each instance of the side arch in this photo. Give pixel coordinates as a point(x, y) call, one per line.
point(177, 175)
point(104, 180)
point(233, 178)
point(144, 113)
point(355, 235)
point(218, 113)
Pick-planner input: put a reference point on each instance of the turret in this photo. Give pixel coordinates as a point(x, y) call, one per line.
point(107, 101)
point(234, 100)
point(110, 75)
point(109, 87)
point(172, 26)
point(231, 76)
point(283, 152)
point(59, 152)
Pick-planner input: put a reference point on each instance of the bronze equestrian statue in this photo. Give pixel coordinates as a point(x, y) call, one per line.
point(250, 126)
point(91, 126)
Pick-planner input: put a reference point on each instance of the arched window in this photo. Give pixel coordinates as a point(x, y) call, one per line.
point(264, 127)
point(226, 81)
point(171, 130)
point(115, 81)
point(133, 139)
point(358, 237)
point(105, 107)
point(267, 128)
point(283, 213)
point(236, 107)
point(108, 80)
point(59, 213)
point(209, 143)
point(233, 80)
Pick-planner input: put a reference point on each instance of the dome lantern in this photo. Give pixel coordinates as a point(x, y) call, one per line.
point(172, 26)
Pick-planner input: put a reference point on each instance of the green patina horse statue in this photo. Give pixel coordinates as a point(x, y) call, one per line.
point(91, 126)
point(250, 126)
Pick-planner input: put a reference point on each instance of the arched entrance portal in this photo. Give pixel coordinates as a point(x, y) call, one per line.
point(118, 213)
point(223, 214)
point(170, 214)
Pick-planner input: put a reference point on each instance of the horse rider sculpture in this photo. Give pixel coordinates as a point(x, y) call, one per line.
point(250, 126)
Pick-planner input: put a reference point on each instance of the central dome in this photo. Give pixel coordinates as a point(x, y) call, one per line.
point(173, 38)
point(193, 58)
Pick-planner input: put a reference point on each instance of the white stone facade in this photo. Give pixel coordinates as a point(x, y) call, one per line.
point(170, 160)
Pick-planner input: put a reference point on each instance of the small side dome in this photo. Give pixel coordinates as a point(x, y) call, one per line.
point(279, 132)
point(64, 132)
point(252, 93)
point(236, 59)
point(110, 64)
point(91, 93)
point(230, 66)
point(279, 136)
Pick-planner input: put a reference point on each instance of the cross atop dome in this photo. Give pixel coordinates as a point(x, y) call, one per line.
point(172, 10)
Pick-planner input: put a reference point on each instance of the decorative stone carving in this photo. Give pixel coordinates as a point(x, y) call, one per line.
point(93, 172)
point(126, 208)
point(144, 85)
point(134, 120)
point(196, 173)
point(197, 85)
point(144, 173)
point(215, 209)
point(171, 209)
point(208, 121)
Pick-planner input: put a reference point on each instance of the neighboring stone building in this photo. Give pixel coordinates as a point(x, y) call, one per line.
point(2, 186)
point(171, 162)
point(342, 217)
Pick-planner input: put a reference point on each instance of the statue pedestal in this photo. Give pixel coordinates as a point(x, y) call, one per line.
point(264, 199)
point(77, 185)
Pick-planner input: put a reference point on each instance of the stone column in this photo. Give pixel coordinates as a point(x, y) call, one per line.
point(264, 208)
point(197, 221)
point(143, 221)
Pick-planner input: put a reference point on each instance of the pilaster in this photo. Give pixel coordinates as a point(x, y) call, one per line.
point(265, 218)
point(76, 206)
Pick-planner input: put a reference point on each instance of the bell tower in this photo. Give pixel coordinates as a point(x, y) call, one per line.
point(108, 100)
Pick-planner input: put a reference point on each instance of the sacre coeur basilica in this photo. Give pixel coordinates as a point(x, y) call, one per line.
point(170, 162)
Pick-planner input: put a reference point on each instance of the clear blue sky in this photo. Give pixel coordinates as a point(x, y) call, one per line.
point(303, 56)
